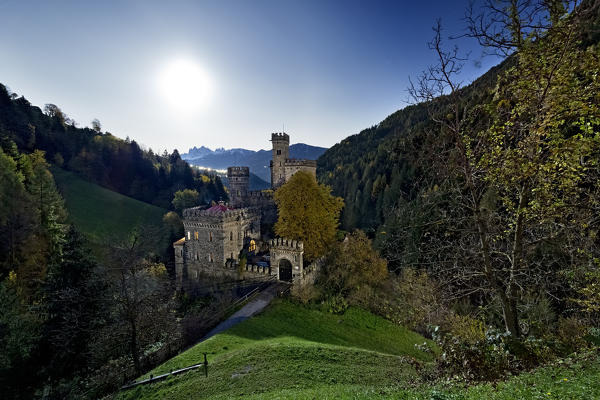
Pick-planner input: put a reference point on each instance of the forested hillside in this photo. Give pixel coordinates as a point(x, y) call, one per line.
point(99, 157)
point(492, 188)
point(384, 165)
point(377, 167)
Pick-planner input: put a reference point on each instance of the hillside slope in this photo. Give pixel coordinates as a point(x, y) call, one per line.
point(102, 214)
point(289, 347)
point(100, 157)
point(373, 169)
point(291, 352)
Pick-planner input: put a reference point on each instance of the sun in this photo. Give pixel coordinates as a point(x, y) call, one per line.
point(185, 85)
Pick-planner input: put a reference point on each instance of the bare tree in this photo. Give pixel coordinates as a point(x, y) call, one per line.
point(143, 296)
point(519, 176)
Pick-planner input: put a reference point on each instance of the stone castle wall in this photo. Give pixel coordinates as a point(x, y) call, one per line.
point(214, 237)
point(292, 166)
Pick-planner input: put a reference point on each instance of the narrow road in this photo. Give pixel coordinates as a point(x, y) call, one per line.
point(253, 307)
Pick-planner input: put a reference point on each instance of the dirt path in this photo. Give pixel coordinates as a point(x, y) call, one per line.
point(253, 307)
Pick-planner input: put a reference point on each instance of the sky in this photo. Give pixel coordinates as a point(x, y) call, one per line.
point(227, 73)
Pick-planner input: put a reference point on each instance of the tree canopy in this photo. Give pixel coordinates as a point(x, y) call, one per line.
point(308, 212)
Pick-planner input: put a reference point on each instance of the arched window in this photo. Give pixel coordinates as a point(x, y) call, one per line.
point(196, 235)
point(210, 236)
point(189, 235)
point(252, 246)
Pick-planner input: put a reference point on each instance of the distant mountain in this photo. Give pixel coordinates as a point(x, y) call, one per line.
point(258, 161)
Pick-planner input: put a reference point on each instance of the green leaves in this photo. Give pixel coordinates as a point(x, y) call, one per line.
point(307, 212)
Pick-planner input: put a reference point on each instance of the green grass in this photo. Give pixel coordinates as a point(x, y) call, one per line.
point(102, 214)
point(291, 347)
point(291, 352)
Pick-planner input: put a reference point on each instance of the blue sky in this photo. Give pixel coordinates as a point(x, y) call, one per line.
point(325, 69)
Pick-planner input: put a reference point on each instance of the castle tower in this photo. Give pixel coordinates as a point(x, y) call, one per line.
point(281, 152)
point(239, 178)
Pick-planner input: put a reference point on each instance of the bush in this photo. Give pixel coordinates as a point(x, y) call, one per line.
point(304, 290)
point(336, 304)
point(572, 333)
point(473, 353)
point(593, 336)
point(530, 352)
point(410, 299)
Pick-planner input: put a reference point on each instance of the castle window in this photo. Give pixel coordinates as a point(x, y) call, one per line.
point(210, 257)
point(210, 236)
point(196, 274)
point(230, 235)
point(189, 235)
point(196, 235)
point(279, 153)
point(197, 257)
point(280, 163)
point(252, 246)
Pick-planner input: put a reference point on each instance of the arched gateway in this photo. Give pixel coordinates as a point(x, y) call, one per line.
point(286, 259)
point(285, 270)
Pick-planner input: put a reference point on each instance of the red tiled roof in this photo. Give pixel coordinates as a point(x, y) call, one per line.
point(217, 209)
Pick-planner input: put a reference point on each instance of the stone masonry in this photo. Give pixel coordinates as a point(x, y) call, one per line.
point(214, 237)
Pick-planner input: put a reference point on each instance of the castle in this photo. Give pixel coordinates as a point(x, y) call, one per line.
point(232, 240)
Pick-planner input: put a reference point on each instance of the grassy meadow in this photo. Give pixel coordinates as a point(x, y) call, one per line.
point(102, 214)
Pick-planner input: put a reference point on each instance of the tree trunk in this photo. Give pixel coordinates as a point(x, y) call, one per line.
point(134, 347)
point(511, 316)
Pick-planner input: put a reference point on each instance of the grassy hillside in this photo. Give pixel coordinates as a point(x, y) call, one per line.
point(102, 214)
point(290, 352)
point(290, 347)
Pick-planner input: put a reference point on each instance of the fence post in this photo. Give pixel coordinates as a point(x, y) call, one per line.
point(205, 366)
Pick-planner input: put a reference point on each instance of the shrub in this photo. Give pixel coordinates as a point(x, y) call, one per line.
point(537, 311)
point(593, 336)
point(572, 333)
point(411, 300)
point(473, 353)
point(530, 352)
point(304, 290)
point(336, 304)
point(483, 360)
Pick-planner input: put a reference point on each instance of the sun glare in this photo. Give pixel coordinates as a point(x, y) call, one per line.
point(185, 86)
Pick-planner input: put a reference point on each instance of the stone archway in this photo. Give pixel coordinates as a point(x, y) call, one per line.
point(285, 270)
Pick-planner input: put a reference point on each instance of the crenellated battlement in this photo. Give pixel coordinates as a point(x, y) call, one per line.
point(280, 137)
point(260, 194)
point(199, 214)
point(294, 162)
point(286, 244)
point(238, 171)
